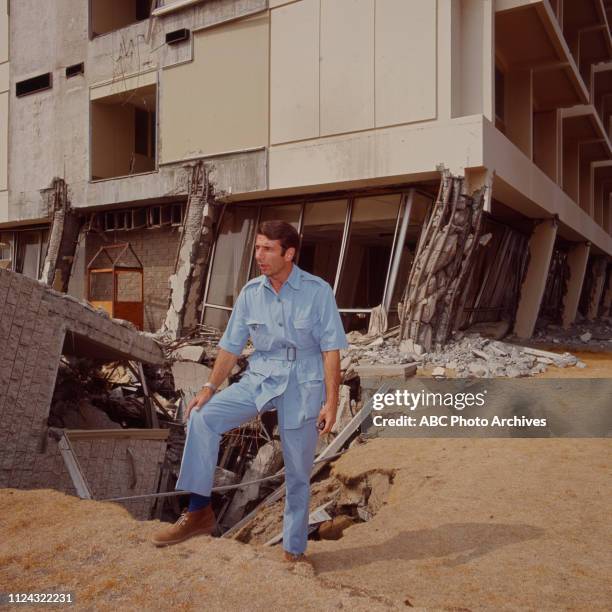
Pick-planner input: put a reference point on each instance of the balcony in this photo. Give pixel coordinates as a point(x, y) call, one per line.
point(586, 30)
point(585, 141)
point(529, 38)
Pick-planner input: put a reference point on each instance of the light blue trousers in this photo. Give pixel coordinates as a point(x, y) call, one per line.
point(231, 408)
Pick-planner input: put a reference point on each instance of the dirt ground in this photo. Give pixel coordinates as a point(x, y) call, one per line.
point(599, 365)
point(467, 524)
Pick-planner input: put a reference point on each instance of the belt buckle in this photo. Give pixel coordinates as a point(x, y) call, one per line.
point(291, 353)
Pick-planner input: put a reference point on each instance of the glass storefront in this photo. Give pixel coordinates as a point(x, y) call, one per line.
point(362, 246)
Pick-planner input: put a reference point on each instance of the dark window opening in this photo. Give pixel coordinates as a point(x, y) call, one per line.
point(75, 70)
point(144, 132)
point(123, 133)
point(139, 218)
point(155, 216)
point(177, 36)
point(109, 15)
point(33, 85)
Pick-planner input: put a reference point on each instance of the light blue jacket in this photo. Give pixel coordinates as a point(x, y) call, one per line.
point(302, 316)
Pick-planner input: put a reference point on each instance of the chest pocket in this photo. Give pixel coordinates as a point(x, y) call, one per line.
point(260, 336)
point(305, 331)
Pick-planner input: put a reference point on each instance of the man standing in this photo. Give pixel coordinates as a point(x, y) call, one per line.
point(293, 321)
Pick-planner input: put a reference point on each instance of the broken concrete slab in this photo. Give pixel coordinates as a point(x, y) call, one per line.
point(37, 326)
point(402, 371)
point(409, 347)
point(188, 353)
point(189, 377)
point(267, 461)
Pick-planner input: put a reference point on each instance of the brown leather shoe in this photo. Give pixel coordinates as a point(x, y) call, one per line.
point(293, 558)
point(189, 524)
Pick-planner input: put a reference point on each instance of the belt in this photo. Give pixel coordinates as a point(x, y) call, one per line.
point(290, 353)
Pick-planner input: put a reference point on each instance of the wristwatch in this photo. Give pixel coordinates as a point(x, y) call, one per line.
point(210, 386)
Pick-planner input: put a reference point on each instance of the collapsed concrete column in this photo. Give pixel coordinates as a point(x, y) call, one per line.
point(541, 245)
point(598, 279)
point(63, 239)
point(187, 282)
point(577, 259)
point(442, 264)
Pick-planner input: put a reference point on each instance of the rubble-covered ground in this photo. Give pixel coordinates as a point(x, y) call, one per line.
point(472, 355)
point(461, 524)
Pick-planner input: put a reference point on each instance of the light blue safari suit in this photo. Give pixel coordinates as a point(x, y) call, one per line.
point(289, 330)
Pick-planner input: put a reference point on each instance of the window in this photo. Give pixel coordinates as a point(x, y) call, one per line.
point(322, 238)
point(144, 132)
point(31, 249)
point(123, 133)
point(75, 70)
point(109, 15)
point(139, 218)
point(6, 249)
point(230, 267)
point(33, 85)
point(363, 247)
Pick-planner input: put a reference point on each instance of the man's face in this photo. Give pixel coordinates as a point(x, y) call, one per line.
point(269, 257)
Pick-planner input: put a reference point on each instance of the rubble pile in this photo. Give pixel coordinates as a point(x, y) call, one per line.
point(583, 334)
point(108, 396)
point(466, 356)
point(478, 357)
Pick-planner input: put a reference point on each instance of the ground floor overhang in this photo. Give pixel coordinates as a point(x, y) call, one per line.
point(522, 186)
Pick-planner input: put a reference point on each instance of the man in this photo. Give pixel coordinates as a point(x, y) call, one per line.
point(296, 330)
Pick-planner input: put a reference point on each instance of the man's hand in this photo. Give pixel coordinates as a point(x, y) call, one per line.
point(327, 417)
point(198, 401)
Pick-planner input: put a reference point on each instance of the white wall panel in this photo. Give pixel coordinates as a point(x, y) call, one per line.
point(219, 102)
point(294, 74)
point(347, 65)
point(405, 61)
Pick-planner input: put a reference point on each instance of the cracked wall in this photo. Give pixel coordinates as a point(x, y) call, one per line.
point(37, 325)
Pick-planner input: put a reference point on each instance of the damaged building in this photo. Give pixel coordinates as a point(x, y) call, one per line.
point(334, 118)
point(447, 163)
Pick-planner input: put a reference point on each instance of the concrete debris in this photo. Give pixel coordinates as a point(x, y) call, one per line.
point(268, 460)
point(189, 378)
point(188, 353)
point(410, 347)
point(378, 321)
point(468, 355)
point(583, 335)
point(496, 330)
point(117, 373)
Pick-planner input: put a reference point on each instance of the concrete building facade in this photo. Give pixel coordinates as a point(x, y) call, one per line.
point(335, 115)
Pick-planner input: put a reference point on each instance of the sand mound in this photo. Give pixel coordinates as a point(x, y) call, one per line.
point(505, 524)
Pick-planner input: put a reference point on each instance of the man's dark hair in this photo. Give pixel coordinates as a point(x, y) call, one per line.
point(282, 231)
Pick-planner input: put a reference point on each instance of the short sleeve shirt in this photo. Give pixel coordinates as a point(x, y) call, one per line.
point(304, 315)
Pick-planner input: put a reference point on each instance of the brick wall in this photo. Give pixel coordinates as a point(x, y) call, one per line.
point(156, 249)
point(34, 322)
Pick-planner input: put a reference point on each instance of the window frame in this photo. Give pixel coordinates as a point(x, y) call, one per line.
point(399, 237)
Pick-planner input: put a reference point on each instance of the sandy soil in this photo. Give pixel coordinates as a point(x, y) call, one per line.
point(466, 525)
point(599, 365)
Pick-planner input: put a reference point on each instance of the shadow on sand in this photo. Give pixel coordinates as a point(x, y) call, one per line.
point(459, 542)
